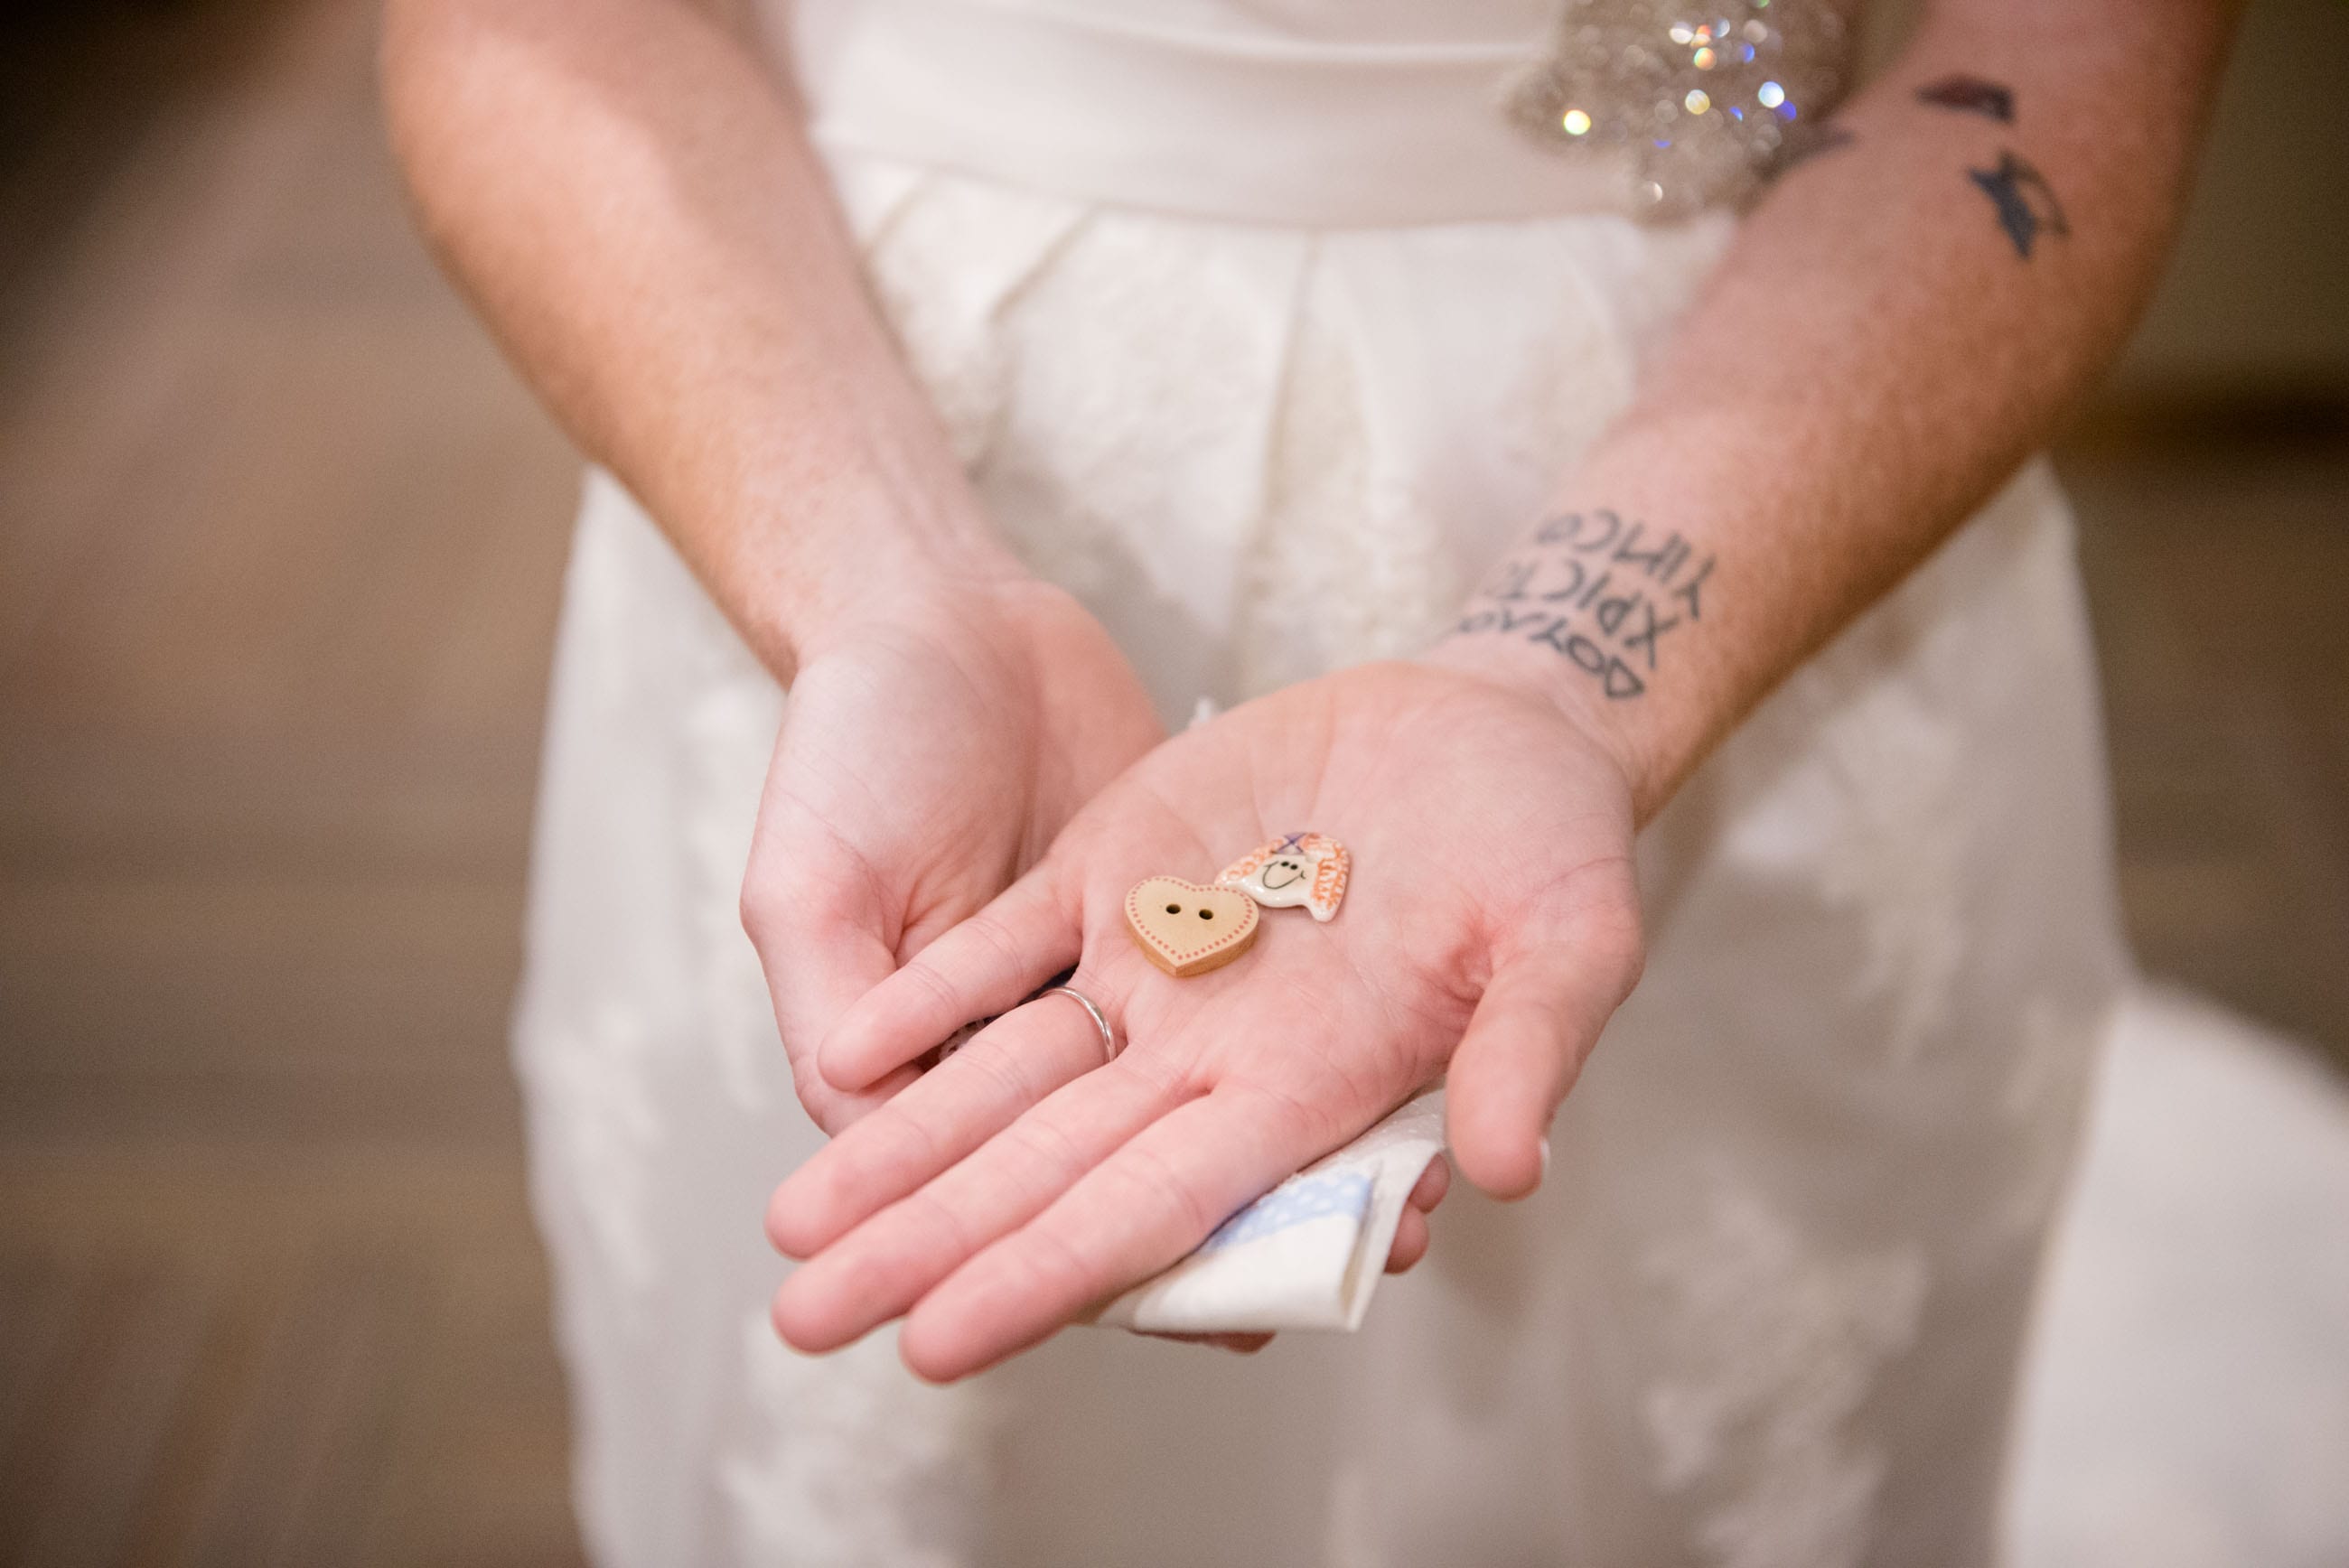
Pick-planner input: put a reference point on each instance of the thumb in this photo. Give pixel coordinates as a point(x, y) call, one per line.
point(820, 935)
point(1526, 1042)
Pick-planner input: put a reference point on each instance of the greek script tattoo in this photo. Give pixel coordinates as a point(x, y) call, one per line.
point(1971, 94)
point(1599, 592)
point(2026, 204)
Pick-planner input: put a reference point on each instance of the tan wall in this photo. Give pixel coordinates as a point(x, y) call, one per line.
point(2257, 291)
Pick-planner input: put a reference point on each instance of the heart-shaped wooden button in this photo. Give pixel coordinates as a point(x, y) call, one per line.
point(1186, 929)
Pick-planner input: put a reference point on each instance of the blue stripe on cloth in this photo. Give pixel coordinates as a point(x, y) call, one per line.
point(1346, 1192)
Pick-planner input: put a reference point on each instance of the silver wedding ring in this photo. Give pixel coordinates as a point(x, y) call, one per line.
point(1109, 1035)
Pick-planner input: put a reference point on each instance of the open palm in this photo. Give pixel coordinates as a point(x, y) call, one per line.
point(1493, 913)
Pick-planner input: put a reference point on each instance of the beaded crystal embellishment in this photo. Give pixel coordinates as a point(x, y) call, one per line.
point(1705, 103)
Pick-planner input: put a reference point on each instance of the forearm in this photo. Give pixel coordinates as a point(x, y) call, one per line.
point(1905, 317)
point(627, 194)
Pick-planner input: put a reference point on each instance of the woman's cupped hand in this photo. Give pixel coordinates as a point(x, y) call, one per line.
point(930, 750)
point(1490, 929)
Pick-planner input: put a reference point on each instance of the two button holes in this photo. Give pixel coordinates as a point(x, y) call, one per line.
point(1177, 909)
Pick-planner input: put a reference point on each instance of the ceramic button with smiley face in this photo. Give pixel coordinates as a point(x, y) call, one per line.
point(1305, 871)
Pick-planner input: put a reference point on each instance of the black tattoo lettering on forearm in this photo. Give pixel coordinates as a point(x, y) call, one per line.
point(2024, 201)
point(1971, 94)
point(1599, 592)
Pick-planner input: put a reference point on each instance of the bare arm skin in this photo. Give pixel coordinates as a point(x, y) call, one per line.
point(1906, 316)
point(626, 191)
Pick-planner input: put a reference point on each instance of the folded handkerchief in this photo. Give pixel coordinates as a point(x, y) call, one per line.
point(1308, 1254)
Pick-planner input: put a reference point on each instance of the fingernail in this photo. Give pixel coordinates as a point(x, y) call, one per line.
point(1544, 1148)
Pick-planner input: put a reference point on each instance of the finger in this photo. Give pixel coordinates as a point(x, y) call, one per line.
point(983, 966)
point(1433, 1183)
point(835, 1112)
point(1526, 1042)
point(882, 1267)
point(816, 919)
point(1141, 1208)
point(1007, 1067)
point(1410, 1241)
point(816, 971)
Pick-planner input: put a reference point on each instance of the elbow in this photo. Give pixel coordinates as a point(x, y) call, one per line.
point(420, 39)
point(439, 64)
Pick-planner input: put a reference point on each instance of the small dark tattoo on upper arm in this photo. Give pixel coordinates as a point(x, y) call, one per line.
point(1971, 94)
point(2024, 201)
point(1599, 592)
point(2019, 194)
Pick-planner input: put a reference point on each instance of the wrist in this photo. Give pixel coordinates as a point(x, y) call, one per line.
point(1541, 676)
point(871, 563)
point(1609, 619)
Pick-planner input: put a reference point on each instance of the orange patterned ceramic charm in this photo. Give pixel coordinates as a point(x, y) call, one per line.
point(1303, 869)
point(1186, 929)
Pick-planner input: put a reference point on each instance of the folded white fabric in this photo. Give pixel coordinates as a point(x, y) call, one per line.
point(1307, 1255)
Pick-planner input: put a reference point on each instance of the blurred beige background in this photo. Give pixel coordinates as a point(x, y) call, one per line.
point(280, 544)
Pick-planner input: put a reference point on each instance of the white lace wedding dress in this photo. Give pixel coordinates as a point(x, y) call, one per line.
point(1261, 332)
